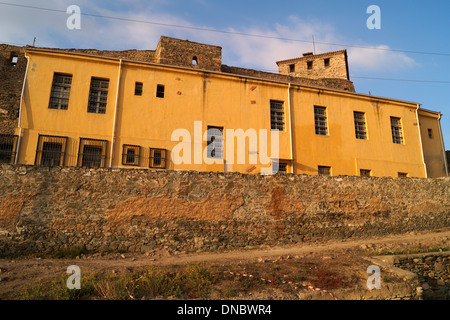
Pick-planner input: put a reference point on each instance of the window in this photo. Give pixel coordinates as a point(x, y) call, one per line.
point(276, 115)
point(292, 68)
point(138, 87)
point(194, 61)
point(282, 167)
point(324, 171)
point(98, 95)
point(320, 120)
point(50, 151)
point(8, 144)
point(365, 173)
point(360, 125)
point(396, 126)
point(92, 153)
point(215, 142)
point(59, 96)
point(309, 65)
point(160, 91)
point(158, 158)
point(402, 175)
point(326, 62)
point(131, 155)
point(430, 133)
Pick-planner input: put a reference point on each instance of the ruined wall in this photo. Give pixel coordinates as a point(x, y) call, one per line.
point(45, 209)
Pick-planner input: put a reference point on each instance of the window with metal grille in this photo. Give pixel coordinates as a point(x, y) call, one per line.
point(324, 171)
point(8, 144)
point(365, 173)
point(98, 95)
point(59, 95)
point(158, 158)
point(277, 115)
point(138, 88)
point(360, 125)
point(320, 120)
point(92, 153)
point(396, 127)
point(282, 167)
point(160, 91)
point(50, 151)
point(214, 142)
point(131, 155)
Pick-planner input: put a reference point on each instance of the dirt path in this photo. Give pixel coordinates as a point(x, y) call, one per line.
point(20, 273)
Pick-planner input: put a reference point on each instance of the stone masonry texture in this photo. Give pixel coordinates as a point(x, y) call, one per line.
point(45, 209)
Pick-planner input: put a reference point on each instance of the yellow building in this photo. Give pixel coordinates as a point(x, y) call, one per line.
point(181, 109)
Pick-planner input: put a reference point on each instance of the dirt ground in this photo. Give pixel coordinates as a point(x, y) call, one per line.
point(337, 268)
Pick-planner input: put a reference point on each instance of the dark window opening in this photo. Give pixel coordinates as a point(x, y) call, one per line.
point(360, 125)
point(98, 95)
point(292, 68)
point(324, 171)
point(194, 61)
point(131, 155)
point(282, 167)
point(92, 153)
point(320, 120)
point(309, 65)
point(430, 133)
point(60, 93)
point(8, 145)
point(396, 127)
point(160, 91)
point(365, 173)
point(326, 62)
point(276, 115)
point(50, 151)
point(402, 175)
point(215, 142)
point(158, 158)
point(138, 88)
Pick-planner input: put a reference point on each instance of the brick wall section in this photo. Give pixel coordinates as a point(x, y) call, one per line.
point(337, 68)
point(46, 209)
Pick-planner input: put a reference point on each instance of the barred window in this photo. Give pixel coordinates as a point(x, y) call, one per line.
point(50, 151)
point(98, 95)
point(160, 91)
point(8, 145)
point(138, 88)
point(360, 125)
point(396, 127)
point(92, 153)
point(282, 167)
point(320, 120)
point(215, 142)
point(324, 171)
point(276, 115)
point(131, 155)
point(59, 95)
point(158, 158)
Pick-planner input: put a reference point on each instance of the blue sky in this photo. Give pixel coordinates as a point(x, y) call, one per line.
point(408, 26)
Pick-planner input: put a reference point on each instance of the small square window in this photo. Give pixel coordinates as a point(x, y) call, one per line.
point(160, 91)
point(365, 173)
point(402, 175)
point(324, 170)
point(326, 62)
point(292, 68)
point(92, 153)
point(430, 133)
point(131, 155)
point(309, 65)
point(8, 144)
point(138, 88)
point(158, 158)
point(50, 151)
point(282, 167)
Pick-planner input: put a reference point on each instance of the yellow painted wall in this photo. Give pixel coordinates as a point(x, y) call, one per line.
point(214, 99)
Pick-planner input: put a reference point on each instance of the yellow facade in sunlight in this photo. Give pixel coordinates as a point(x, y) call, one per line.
point(81, 110)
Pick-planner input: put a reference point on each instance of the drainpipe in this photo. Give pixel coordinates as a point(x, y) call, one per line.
point(444, 156)
point(290, 127)
point(115, 114)
point(420, 139)
point(20, 110)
